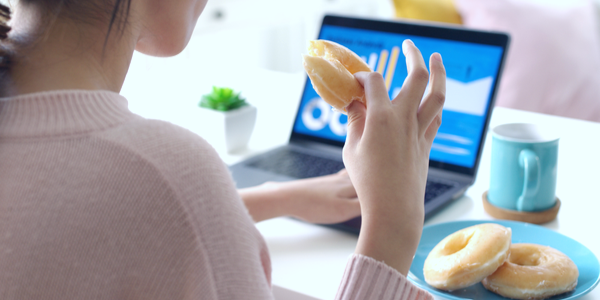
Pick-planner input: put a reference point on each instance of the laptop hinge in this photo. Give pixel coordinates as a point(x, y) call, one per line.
point(443, 174)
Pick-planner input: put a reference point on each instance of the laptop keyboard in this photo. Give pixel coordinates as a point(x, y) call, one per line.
point(301, 165)
point(435, 188)
point(298, 165)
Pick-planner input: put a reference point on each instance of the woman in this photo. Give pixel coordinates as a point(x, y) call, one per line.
point(99, 203)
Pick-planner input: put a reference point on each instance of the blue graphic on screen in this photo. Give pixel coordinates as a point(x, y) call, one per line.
point(471, 72)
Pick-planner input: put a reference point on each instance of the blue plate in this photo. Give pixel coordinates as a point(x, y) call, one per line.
point(586, 261)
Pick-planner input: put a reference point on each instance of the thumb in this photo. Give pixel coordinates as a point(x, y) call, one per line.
point(356, 121)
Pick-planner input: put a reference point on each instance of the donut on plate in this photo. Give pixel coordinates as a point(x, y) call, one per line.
point(467, 256)
point(533, 272)
point(330, 67)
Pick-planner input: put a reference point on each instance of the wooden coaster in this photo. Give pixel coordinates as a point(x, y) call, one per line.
point(539, 217)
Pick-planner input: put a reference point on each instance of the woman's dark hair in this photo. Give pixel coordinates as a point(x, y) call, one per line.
point(4, 18)
point(81, 10)
point(4, 29)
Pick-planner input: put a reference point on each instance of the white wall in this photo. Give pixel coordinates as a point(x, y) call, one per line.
point(269, 34)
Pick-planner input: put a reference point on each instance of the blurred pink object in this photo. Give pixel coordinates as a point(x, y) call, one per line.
point(553, 63)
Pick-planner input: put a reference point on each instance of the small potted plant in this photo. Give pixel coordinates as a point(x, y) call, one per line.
point(227, 113)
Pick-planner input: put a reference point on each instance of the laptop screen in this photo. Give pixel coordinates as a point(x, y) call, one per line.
point(472, 73)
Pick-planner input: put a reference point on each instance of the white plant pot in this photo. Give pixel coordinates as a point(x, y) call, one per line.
point(231, 129)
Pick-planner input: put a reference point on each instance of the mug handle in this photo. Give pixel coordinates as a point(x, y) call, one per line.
point(530, 163)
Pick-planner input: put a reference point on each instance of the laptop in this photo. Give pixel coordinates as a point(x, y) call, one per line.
point(473, 61)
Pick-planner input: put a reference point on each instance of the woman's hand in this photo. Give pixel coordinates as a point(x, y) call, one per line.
point(387, 157)
point(324, 200)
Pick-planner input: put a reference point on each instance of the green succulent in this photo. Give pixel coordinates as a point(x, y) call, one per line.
point(222, 99)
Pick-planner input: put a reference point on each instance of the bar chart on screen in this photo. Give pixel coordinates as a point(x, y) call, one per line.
point(378, 63)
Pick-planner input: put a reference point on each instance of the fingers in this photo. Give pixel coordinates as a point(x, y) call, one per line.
point(433, 128)
point(356, 122)
point(434, 100)
point(375, 90)
point(416, 81)
point(376, 99)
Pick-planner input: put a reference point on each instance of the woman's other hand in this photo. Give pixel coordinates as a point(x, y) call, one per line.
point(387, 157)
point(323, 200)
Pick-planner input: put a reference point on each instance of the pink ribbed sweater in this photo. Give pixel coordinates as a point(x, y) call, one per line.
point(99, 203)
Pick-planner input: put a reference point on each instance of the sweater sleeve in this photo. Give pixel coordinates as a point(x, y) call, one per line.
point(366, 278)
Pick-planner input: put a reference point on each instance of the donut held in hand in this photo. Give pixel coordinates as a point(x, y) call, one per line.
point(330, 67)
point(467, 256)
point(533, 272)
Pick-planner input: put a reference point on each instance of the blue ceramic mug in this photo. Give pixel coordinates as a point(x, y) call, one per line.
point(523, 170)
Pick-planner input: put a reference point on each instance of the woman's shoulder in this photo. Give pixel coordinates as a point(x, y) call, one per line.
point(163, 140)
point(185, 161)
point(182, 157)
point(159, 131)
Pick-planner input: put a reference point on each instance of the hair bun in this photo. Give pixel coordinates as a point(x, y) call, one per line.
point(4, 18)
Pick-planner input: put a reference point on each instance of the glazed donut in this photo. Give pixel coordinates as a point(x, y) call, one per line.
point(330, 67)
point(467, 256)
point(533, 272)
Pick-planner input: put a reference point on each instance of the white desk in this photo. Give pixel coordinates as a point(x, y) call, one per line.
point(311, 259)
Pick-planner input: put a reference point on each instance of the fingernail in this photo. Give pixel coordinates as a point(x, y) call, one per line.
point(404, 45)
point(437, 57)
